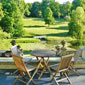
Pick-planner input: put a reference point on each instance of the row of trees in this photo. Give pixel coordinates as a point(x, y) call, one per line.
point(37, 9)
point(59, 10)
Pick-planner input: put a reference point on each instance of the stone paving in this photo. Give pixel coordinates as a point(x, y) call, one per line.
point(7, 79)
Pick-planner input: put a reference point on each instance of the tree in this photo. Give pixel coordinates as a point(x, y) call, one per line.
point(1, 11)
point(27, 12)
point(77, 25)
point(65, 9)
point(4, 35)
point(7, 24)
point(83, 4)
point(77, 3)
point(45, 4)
point(55, 7)
point(12, 20)
point(20, 4)
point(36, 9)
point(48, 16)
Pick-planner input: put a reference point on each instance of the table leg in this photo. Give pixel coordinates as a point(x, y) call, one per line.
point(45, 67)
point(38, 66)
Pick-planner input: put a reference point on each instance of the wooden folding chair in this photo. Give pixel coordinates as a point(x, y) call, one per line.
point(62, 67)
point(23, 69)
point(78, 57)
point(83, 53)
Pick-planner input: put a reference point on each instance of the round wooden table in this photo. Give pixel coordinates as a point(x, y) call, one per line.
point(40, 55)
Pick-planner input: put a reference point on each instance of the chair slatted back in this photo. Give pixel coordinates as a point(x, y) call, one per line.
point(77, 54)
point(19, 63)
point(83, 53)
point(65, 63)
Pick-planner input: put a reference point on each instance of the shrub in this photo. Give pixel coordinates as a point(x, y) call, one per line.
point(4, 35)
point(77, 25)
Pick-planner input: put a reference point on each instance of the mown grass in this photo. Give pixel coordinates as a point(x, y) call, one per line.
point(58, 30)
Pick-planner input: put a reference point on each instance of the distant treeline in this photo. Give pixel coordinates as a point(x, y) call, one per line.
point(37, 9)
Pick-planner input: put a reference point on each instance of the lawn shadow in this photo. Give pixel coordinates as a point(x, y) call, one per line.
point(34, 26)
point(59, 28)
point(59, 22)
point(38, 19)
point(64, 34)
point(31, 35)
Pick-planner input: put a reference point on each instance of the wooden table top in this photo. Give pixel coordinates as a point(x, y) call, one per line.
point(43, 53)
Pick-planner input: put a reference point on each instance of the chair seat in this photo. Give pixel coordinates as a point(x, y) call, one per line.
point(80, 59)
point(30, 68)
point(54, 67)
point(27, 60)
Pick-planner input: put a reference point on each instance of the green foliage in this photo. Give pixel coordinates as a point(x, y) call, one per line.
point(77, 3)
point(83, 4)
point(78, 43)
point(45, 4)
point(36, 9)
point(48, 16)
point(7, 24)
point(4, 35)
point(21, 5)
point(1, 11)
point(12, 20)
point(76, 25)
point(27, 12)
point(65, 9)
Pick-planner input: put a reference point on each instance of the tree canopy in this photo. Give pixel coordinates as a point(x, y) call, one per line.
point(48, 16)
point(77, 3)
point(1, 11)
point(77, 23)
point(12, 20)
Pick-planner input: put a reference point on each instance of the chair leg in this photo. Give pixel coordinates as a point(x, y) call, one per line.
point(73, 69)
point(17, 79)
point(56, 81)
point(14, 72)
point(68, 78)
point(31, 79)
point(41, 73)
point(53, 77)
point(33, 74)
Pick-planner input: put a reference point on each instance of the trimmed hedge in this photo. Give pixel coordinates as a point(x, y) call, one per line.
point(28, 40)
point(24, 40)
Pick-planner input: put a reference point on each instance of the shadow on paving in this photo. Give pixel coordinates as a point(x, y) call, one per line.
point(7, 79)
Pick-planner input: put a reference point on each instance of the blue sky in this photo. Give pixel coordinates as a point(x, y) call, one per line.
point(60, 1)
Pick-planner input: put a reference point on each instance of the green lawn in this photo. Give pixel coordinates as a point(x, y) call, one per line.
point(36, 26)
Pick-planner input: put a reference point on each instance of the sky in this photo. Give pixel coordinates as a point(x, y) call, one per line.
point(60, 1)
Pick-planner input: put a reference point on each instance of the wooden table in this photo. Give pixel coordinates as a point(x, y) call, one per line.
point(41, 55)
